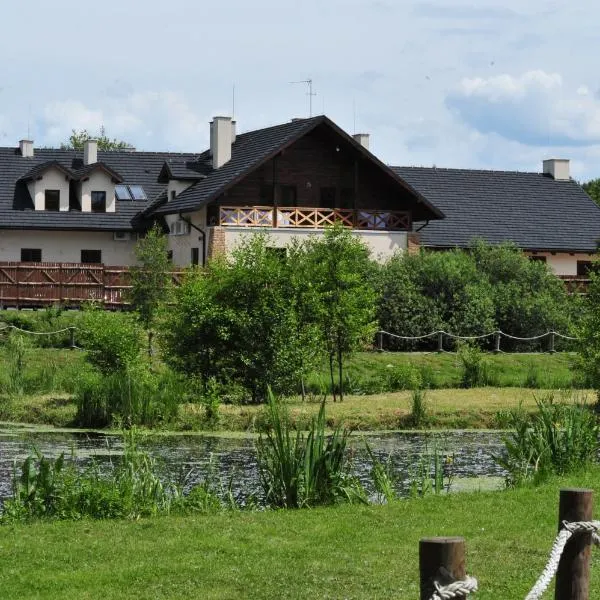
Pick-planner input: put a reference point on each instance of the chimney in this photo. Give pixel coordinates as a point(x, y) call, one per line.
point(220, 141)
point(558, 168)
point(233, 131)
point(362, 139)
point(26, 148)
point(90, 152)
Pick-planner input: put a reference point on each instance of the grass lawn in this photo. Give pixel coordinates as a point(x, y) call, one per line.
point(53, 375)
point(343, 552)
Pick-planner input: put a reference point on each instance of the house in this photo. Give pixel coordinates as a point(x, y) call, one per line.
point(547, 214)
point(293, 179)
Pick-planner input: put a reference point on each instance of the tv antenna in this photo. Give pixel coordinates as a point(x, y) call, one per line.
point(309, 93)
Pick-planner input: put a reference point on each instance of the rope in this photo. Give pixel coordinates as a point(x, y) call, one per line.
point(456, 589)
point(478, 337)
point(37, 332)
point(564, 535)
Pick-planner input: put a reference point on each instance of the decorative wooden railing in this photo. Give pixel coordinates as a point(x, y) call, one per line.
point(68, 284)
point(314, 218)
point(576, 284)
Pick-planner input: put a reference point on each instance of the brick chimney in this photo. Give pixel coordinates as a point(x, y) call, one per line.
point(557, 168)
point(221, 135)
point(362, 139)
point(26, 148)
point(90, 152)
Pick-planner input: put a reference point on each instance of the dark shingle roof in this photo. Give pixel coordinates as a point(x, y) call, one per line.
point(186, 170)
point(43, 167)
point(531, 209)
point(248, 152)
point(84, 171)
point(136, 168)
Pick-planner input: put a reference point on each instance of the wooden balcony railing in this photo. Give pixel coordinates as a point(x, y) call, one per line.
point(314, 218)
point(68, 284)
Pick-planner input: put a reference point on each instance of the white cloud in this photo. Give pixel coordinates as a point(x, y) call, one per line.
point(536, 108)
point(156, 119)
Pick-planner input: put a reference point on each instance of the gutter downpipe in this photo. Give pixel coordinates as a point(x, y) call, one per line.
point(422, 226)
point(202, 238)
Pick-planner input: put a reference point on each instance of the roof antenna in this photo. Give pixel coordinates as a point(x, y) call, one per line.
point(309, 93)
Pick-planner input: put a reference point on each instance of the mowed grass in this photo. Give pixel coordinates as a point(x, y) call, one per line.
point(341, 552)
point(448, 408)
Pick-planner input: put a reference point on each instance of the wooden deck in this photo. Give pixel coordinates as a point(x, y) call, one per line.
point(68, 284)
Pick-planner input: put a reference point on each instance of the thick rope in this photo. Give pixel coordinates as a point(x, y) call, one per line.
point(36, 332)
point(456, 589)
point(477, 337)
point(564, 535)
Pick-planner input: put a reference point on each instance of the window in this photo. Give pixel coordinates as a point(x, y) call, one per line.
point(31, 255)
point(179, 227)
point(170, 255)
point(289, 196)
point(122, 192)
point(584, 267)
point(173, 194)
point(538, 258)
point(327, 199)
point(137, 192)
point(91, 256)
point(52, 199)
point(195, 256)
point(98, 202)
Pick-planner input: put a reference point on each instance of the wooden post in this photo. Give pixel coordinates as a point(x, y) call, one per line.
point(380, 340)
point(440, 342)
point(441, 559)
point(497, 342)
point(551, 343)
point(573, 575)
point(72, 332)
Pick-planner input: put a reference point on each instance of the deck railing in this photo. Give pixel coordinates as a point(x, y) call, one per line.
point(313, 218)
point(68, 284)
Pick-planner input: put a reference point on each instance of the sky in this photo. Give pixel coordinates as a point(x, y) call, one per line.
point(481, 84)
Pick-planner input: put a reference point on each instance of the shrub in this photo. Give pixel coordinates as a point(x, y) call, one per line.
point(475, 366)
point(418, 413)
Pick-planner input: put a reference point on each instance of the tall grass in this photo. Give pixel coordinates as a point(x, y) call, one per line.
point(298, 470)
point(558, 439)
point(131, 488)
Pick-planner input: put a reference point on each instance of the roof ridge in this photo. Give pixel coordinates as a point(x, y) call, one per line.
point(512, 172)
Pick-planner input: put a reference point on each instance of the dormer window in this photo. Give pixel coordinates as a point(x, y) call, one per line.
point(98, 202)
point(52, 200)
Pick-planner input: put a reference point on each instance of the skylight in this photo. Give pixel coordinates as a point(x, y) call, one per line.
point(122, 192)
point(137, 191)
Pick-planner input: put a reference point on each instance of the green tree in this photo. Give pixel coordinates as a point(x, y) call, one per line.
point(341, 272)
point(150, 279)
point(592, 189)
point(589, 335)
point(79, 136)
point(235, 322)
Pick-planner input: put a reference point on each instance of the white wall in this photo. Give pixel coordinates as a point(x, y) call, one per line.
point(52, 179)
point(99, 181)
point(181, 245)
point(563, 263)
point(66, 246)
point(382, 244)
point(177, 186)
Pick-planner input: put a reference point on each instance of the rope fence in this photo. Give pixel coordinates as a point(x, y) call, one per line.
point(497, 335)
point(442, 560)
point(71, 330)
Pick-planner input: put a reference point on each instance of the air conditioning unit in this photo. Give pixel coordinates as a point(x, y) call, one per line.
point(121, 236)
point(179, 228)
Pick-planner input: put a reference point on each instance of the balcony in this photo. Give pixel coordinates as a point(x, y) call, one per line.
point(313, 218)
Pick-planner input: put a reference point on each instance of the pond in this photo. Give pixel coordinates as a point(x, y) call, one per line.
point(468, 456)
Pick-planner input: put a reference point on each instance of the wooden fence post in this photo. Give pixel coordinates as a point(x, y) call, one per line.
point(551, 343)
point(72, 333)
point(440, 341)
point(441, 559)
point(380, 340)
point(497, 342)
point(573, 575)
